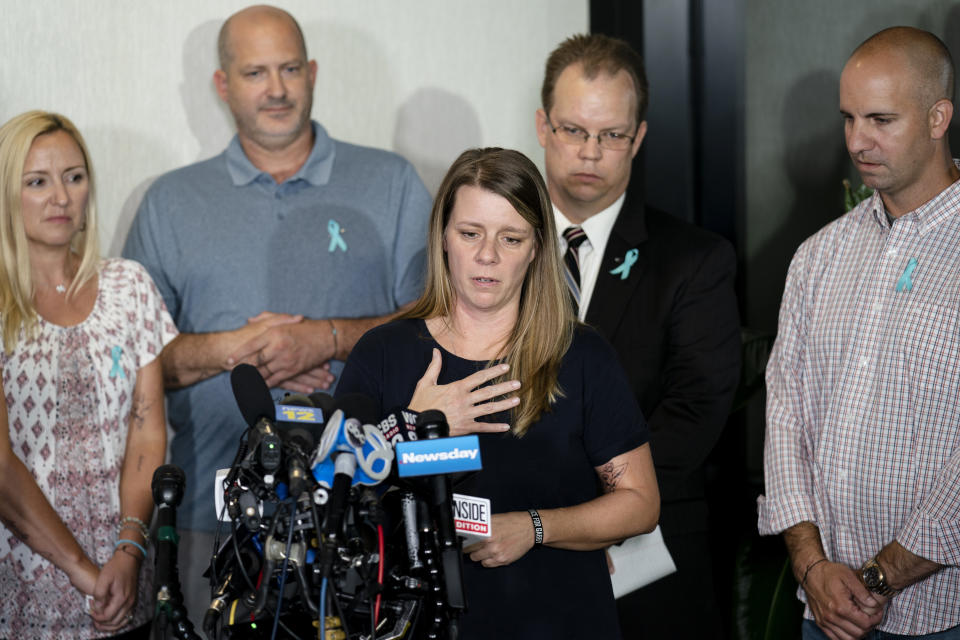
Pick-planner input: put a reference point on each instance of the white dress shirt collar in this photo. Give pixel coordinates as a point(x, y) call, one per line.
point(597, 228)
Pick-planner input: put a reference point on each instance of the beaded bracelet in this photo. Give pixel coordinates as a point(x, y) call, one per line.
point(131, 522)
point(133, 527)
point(132, 543)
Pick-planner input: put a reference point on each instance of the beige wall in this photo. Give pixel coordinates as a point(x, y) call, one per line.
point(426, 78)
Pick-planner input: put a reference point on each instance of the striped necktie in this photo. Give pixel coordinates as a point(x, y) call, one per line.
point(574, 236)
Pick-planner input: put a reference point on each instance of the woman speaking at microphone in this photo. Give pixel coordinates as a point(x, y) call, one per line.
point(82, 427)
point(494, 344)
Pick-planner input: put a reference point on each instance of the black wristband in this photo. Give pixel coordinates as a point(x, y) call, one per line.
point(537, 527)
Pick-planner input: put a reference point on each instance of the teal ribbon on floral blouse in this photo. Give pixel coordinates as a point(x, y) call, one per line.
point(628, 261)
point(905, 283)
point(116, 370)
point(333, 228)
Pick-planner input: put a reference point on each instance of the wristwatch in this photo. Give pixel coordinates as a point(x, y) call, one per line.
point(874, 579)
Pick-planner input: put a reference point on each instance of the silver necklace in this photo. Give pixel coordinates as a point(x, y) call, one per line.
point(60, 288)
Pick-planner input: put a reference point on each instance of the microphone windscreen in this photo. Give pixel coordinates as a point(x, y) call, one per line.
point(297, 400)
point(308, 432)
point(324, 402)
point(167, 485)
point(360, 407)
point(432, 423)
point(252, 394)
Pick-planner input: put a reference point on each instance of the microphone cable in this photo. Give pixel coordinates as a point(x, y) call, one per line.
point(283, 571)
point(376, 608)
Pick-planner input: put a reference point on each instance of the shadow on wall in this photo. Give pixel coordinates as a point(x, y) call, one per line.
point(208, 117)
point(433, 127)
point(355, 94)
point(124, 143)
point(127, 212)
point(815, 161)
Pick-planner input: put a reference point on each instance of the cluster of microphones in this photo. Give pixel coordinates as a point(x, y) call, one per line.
point(336, 523)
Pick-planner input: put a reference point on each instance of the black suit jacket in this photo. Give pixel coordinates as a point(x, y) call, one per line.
point(675, 326)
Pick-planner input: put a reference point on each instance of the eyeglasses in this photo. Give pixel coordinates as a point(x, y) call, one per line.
point(611, 140)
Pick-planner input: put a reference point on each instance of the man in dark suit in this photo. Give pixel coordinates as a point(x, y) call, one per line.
point(661, 291)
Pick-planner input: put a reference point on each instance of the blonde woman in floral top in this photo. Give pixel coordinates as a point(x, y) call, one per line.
point(82, 428)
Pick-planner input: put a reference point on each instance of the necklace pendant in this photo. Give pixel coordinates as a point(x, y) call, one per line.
point(60, 288)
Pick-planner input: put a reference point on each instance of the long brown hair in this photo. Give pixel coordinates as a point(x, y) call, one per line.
point(545, 323)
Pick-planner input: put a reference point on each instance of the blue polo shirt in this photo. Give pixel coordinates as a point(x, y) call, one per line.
point(343, 237)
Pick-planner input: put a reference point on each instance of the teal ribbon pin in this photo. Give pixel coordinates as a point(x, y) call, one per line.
point(333, 228)
point(905, 283)
point(116, 370)
point(628, 261)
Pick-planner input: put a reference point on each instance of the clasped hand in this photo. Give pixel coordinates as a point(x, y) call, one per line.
point(465, 400)
point(113, 587)
point(281, 347)
point(843, 607)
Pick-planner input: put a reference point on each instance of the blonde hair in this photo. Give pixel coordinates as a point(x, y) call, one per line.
point(16, 285)
point(545, 323)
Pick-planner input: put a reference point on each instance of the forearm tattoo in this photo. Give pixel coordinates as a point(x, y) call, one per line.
point(138, 410)
point(611, 474)
point(14, 529)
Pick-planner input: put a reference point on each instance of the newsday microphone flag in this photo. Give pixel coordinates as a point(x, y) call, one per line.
point(438, 456)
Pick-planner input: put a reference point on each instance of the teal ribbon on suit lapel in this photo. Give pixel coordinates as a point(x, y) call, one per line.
point(628, 261)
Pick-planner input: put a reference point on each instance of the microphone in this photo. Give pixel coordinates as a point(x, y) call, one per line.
point(255, 403)
point(349, 432)
point(343, 445)
point(399, 425)
point(431, 425)
point(251, 393)
point(231, 560)
point(324, 402)
point(167, 487)
point(299, 439)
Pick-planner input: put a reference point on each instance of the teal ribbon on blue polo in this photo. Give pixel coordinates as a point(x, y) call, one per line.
point(116, 370)
point(905, 283)
point(628, 261)
point(333, 228)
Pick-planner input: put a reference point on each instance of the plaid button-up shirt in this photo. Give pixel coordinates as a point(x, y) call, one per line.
point(863, 407)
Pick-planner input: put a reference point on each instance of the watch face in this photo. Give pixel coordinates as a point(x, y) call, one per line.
point(871, 577)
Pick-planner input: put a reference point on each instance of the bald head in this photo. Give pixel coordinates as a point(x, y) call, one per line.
point(921, 54)
point(257, 14)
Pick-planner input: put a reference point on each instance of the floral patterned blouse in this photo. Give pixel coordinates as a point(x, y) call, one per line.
point(69, 392)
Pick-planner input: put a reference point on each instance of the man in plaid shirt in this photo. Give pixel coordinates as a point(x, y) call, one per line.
point(862, 455)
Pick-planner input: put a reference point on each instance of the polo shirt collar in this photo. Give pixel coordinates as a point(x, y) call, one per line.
point(316, 170)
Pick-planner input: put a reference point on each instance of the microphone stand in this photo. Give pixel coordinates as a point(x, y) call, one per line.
point(431, 425)
point(167, 485)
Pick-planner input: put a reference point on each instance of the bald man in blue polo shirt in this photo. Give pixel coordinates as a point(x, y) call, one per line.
point(279, 252)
